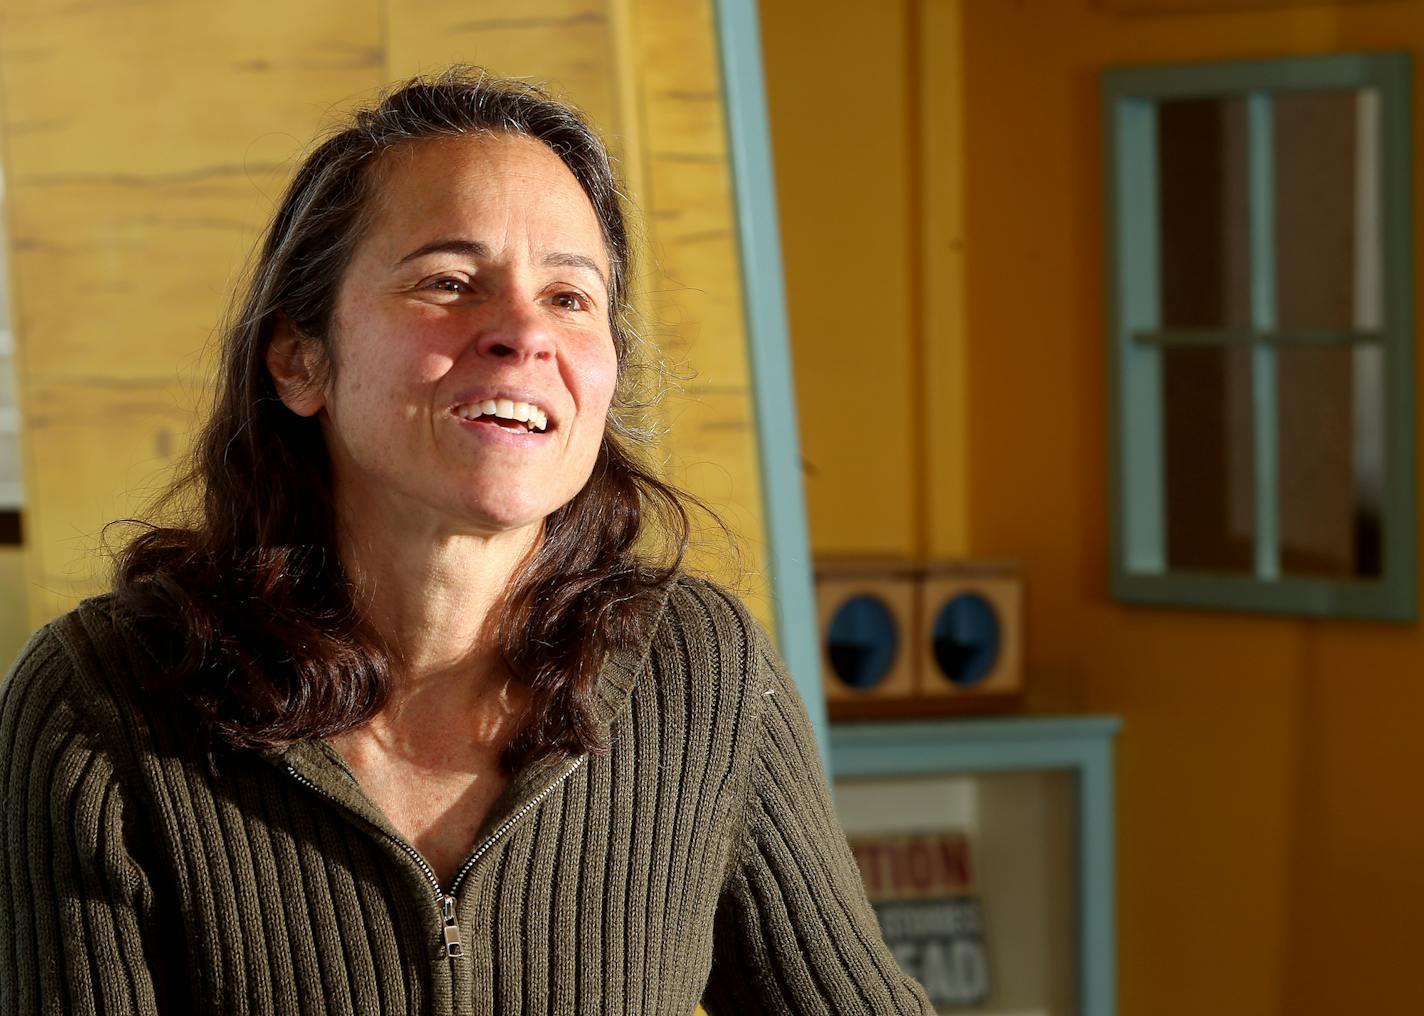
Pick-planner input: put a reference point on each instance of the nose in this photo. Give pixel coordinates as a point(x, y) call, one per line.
point(515, 330)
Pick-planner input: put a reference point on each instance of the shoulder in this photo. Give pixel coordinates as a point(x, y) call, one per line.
point(74, 683)
point(706, 638)
point(705, 615)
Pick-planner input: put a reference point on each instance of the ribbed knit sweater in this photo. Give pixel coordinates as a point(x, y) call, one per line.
point(700, 858)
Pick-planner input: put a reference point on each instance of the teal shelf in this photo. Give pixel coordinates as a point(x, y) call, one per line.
point(1080, 745)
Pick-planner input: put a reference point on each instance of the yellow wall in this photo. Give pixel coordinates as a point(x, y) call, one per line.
point(841, 121)
point(1269, 828)
point(145, 146)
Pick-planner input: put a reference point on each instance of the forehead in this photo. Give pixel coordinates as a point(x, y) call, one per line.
point(481, 182)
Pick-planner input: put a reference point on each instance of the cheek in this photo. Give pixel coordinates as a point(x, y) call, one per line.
point(597, 381)
point(372, 371)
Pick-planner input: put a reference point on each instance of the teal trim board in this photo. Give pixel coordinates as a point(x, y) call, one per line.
point(1331, 72)
point(1139, 425)
point(1082, 745)
point(1288, 337)
point(769, 350)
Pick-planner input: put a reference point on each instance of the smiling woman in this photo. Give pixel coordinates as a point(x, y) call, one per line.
point(410, 716)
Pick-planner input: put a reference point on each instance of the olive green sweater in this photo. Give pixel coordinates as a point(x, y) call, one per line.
point(699, 859)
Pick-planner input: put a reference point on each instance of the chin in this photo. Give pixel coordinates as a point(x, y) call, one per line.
point(506, 515)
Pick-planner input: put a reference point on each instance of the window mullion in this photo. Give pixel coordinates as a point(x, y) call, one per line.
point(1261, 173)
point(1144, 496)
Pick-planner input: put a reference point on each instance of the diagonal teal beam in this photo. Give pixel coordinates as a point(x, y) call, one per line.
point(769, 350)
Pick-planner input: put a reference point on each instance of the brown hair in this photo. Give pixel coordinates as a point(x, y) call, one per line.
point(271, 646)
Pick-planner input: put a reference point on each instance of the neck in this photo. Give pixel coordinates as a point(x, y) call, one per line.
point(435, 597)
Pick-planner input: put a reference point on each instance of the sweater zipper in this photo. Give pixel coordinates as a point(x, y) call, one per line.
point(449, 925)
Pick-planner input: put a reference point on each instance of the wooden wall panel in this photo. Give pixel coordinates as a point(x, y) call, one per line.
point(125, 280)
point(101, 451)
point(144, 149)
point(565, 44)
point(694, 267)
point(138, 89)
point(691, 226)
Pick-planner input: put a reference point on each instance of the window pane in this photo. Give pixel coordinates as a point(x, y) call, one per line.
point(1204, 214)
point(1331, 460)
point(1328, 254)
point(1210, 459)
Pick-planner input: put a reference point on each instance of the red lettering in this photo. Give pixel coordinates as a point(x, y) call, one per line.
point(920, 864)
point(898, 880)
point(954, 857)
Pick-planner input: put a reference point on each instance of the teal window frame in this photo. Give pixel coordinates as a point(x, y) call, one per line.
point(1137, 524)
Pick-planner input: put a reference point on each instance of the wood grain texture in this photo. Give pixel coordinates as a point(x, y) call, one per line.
point(136, 89)
point(695, 282)
point(128, 279)
point(144, 148)
point(101, 450)
point(565, 45)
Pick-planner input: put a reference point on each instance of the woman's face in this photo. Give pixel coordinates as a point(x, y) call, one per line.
point(472, 353)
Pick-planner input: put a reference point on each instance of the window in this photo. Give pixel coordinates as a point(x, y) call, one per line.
point(1259, 258)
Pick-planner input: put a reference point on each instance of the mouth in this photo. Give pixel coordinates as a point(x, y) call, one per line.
point(515, 417)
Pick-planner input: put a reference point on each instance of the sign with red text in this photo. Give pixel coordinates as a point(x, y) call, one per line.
point(922, 888)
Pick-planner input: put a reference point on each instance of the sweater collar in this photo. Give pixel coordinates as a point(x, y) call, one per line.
point(317, 763)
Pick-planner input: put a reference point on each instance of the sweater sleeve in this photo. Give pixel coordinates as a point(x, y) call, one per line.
point(77, 911)
point(794, 932)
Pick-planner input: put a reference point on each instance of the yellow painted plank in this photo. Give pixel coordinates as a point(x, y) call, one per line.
point(144, 150)
point(94, 89)
point(565, 44)
point(695, 274)
point(129, 280)
point(100, 451)
point(714, 455)
point(678, 47)
point(696, 296)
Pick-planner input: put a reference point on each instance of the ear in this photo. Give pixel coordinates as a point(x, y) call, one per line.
point(293, 360)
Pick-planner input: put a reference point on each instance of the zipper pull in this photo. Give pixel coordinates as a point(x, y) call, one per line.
point(453, 948)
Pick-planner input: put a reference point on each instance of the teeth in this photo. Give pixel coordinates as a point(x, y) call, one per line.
point(506, 409)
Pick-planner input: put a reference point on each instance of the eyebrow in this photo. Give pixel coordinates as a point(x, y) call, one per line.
point(476, 249)
point(473, 248)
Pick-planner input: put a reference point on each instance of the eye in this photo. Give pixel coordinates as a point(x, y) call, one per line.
point(569, 299)
point(448, 284)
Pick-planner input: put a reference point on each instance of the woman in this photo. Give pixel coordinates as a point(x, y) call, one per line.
point(403, 718)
